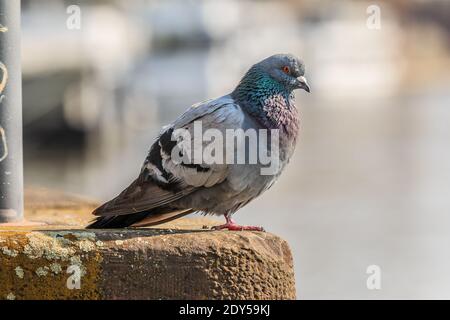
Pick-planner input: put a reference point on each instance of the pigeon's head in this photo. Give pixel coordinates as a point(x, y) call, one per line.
point(286, 69)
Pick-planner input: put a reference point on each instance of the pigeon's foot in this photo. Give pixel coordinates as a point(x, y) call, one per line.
point(233, 226)
point(236, 227)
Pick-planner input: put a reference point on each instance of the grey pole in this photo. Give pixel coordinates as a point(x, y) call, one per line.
point(11, 162)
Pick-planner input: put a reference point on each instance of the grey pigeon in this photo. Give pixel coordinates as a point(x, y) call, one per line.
point(167, 188)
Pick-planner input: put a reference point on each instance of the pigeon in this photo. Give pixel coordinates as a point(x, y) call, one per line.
point(167, 188)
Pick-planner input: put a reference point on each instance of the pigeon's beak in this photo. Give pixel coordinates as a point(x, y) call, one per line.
point(302, 84)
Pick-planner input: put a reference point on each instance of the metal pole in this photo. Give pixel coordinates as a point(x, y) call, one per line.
point(11, 162)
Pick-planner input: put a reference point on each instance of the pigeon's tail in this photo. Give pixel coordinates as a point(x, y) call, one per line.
point(138, 219)
point(111, 222)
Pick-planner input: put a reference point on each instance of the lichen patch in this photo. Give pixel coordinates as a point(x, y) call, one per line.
point(10, 296)
point(19, 272)
point(51, 248)
point(42, 271)
point(9, 252)
point(56, 268)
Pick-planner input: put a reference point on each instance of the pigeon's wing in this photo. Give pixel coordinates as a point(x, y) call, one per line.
point(164, 179)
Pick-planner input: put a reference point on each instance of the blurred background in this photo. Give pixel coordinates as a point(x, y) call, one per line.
point(370, 180)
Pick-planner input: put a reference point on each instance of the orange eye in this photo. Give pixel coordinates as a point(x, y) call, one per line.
point(286, 69)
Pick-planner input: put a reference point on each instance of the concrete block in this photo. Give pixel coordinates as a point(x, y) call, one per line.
point(178, 260)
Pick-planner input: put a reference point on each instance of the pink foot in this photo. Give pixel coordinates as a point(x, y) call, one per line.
point(232, 226)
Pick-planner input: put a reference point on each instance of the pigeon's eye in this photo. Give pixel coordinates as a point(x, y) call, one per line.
point(286, 69)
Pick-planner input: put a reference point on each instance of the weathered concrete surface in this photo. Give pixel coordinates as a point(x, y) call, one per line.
point(178, 260)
